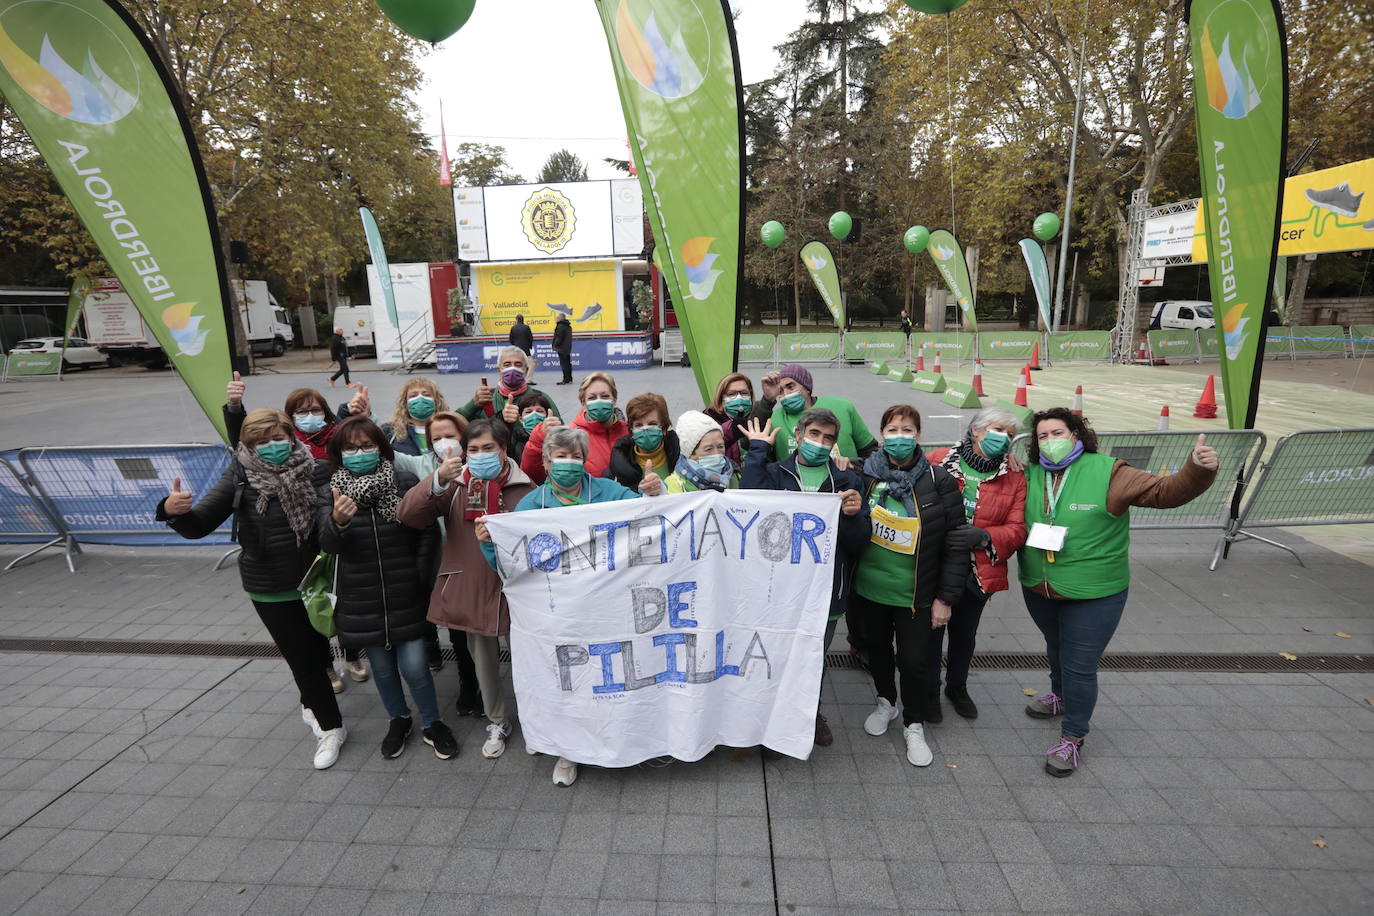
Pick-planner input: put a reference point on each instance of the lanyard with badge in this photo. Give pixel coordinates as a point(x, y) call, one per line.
point(891, 531)
point(1050, 537)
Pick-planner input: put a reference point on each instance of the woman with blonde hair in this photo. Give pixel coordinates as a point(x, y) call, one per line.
point(271, 490)
point(598, 418)
point(418, 400)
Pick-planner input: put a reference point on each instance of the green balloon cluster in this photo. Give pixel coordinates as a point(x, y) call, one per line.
point(935, 6)
point(1046, 226)
point(841, 224)
point(916, 239)
point(772, 233)
point(428, 20)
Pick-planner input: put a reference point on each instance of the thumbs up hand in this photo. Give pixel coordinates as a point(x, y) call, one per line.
point(359, 405)
point(178, 500)
point(344, 509)
point(652, 484)
point(234, 393)
point(1204, 454)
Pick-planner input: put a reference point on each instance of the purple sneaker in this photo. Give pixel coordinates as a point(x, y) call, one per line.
point(1049, 706)
point(1064, 757)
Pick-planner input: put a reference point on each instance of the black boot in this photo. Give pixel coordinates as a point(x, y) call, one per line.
point(963, 703)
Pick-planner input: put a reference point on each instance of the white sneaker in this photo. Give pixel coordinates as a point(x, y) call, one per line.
point(564, 772)
point(335, 681)
point(327, 748)
point(917, 751)
point(495, 745)
point(878, 719)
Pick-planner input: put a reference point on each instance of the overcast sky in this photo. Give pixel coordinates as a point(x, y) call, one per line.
point(535, 75)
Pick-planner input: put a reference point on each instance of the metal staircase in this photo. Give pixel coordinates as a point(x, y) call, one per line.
point(417, 346)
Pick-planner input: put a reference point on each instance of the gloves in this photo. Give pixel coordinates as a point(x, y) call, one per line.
point(969, 537)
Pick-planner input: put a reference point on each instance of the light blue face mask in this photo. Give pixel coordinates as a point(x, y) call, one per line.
point(309, 423)
point(716, 464)
point(485, 465)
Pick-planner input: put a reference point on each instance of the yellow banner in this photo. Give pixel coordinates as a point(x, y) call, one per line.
point(1325, 211)
point(588, 292)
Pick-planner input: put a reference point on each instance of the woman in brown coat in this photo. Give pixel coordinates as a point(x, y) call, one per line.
point(467, 593)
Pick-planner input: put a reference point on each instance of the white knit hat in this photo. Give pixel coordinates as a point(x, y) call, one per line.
point(691, 427)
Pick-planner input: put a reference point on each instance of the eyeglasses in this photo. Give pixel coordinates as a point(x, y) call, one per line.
point(354, 451)
point(310, 412)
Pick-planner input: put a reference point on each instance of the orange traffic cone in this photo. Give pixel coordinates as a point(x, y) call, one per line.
point(1143, 354)
point(936, 367)
point(1163, 418)
point(1035, 358)
point(1025, 372)
point(1077, 409)
point(978, 378)
point(921, 358)
point(1206, 408)
point(1020, 399)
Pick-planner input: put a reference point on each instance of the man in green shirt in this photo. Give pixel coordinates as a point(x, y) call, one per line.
point(853, 440)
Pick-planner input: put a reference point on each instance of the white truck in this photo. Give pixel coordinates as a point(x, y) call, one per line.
point(356, 321)
point(264, 321)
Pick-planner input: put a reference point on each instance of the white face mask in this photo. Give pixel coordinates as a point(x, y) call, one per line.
point(447, 447)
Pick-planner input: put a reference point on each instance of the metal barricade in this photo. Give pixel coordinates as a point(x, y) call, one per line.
point(25, 518)
point(107, 495)
point(1164, 452)
point(1314, 477)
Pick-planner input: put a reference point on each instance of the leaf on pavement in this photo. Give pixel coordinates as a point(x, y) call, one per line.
point(1029, 692)
point(1320, 844)
point(1307, 629)
point(1288, 655)
point(1343, 635)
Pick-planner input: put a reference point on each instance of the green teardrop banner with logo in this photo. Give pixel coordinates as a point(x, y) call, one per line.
point(1240, 100)
point(677, 70)
point(820, 264)
point(949, 261)
point(94, 98)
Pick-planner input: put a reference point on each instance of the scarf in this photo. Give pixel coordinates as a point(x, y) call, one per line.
point(1069, 459)
point(701, 478)
point(483, 496)
point(318, 443)
point(980, 463)
point(375, 491)
point(290, 483)
point(900, 482)
point(510, 394)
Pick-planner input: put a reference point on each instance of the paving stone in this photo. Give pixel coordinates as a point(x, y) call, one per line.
point(804, 882)
point(862, 883)
point(687, 878)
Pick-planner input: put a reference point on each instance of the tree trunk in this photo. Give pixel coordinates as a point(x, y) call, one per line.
point(1297, 293)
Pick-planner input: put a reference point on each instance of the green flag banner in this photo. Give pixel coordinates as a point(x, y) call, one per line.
point(1040, 279)
point(378, 252)
point(820, 264)
point(1240, 99)
point(80, 290)
point(94, 97)
point(677, 69)
point(949, 261)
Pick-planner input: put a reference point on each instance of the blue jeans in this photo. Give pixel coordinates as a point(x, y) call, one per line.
point(1076, 635)
point(406, 660)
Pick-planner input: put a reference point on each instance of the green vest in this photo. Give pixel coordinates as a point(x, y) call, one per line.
point(1095, 561)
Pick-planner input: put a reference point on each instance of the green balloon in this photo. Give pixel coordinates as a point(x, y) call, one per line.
point(772, 233)
point(428, 20)
point(841, 224)
point(935, 6)
point(1046, 226)
point(916, 239)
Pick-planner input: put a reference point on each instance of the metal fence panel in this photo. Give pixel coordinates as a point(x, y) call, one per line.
point(1362, 339)
point(1318, 340)
point(808, 348)
point(1017, 345)
point(1315, 477)
point(33, 365)
point(1209, 343)
point(1080, 345)
point(1173, 343)
point(869, 345)
point(107, 495)
point(951, 345)
point(758, 348)
point(23, 517)
point(1164, 452)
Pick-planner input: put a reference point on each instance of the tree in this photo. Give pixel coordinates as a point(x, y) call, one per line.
point(562, 166)
point(479, 165)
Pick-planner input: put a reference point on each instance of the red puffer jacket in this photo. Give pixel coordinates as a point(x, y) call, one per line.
point(600, 439)
point(1001, 512)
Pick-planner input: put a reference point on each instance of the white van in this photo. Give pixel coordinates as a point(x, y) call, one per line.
point(356, 322)
point(1182, 313)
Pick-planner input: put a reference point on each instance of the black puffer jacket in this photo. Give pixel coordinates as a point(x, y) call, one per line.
point(942, 559)
point(271, 560)
point(625, 468)
point(385, 574)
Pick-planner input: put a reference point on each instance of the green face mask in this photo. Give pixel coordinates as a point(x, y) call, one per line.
point(648, 438)
point(738, 405)
point(813, 454)
point(530, 421)
point(793, 402)
point(421, 407)
point(365, 463)
point(1056, 449)
point(995, 444)
point(274, 452)
point(899, 448)
point(567, 472)
point(600, 411)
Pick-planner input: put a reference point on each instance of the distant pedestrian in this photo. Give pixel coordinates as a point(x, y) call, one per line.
point(521, 336)
point(906, 324)
point(338, 353)
point(270, 488)
point(1075, 566)
point(383, 580)
point(562, 345)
